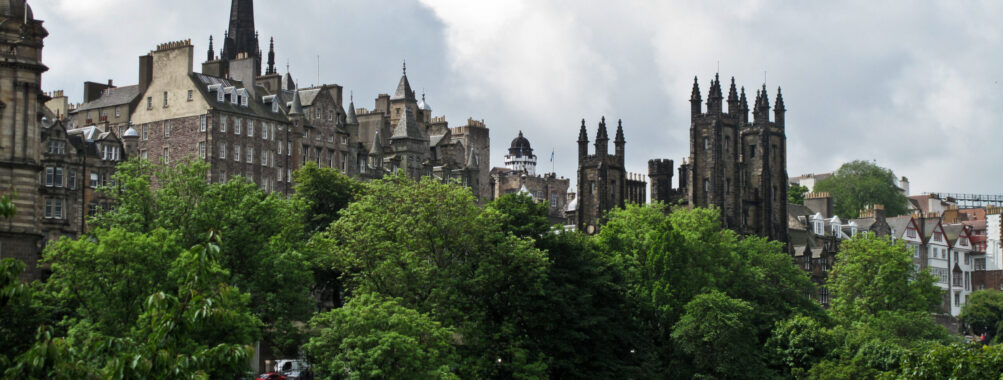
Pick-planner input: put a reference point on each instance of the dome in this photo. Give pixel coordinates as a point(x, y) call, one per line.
point(422, 105)
point(520, 147)
point(15, 9)
point(131, 132)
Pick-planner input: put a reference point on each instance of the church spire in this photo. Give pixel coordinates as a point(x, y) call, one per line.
point(241, 37)
point(271, 56)
point(695, 98)
point(210, 54)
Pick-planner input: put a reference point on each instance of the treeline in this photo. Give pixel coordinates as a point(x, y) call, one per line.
point(182, 278)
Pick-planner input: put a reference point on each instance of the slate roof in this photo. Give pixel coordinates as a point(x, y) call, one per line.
point(254, 106)
point(899, 225)
point(111, 97)
point(351, 119)
point(407, 127)
point(403, 90)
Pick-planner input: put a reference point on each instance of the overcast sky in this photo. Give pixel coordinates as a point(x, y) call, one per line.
point(911, 85)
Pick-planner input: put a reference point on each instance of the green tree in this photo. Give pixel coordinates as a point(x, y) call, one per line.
point(795, 194)
point(374, 337)
point(325, 191)
point(859, 184)
point(872, 275)
point(7, 207)
point(983, 313)
point(797, 344)
point(20, 313)
point(715, 332)
point(429, 244)
point(201, 330)
point(521, 216)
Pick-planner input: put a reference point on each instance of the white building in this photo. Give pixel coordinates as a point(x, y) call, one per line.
point(994, 253)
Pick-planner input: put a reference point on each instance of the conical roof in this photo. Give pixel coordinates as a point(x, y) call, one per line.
point(407, 127)
point(297, 106)
point(376, 148)
point(350, 118)
point(472, 160)
point(403, 88)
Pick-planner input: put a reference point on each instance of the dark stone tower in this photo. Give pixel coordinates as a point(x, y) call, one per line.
point(602, 179)
point(660, 175)
point(241, 37)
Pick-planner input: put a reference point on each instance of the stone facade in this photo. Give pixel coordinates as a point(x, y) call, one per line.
point(602, 178)
point(519, 175)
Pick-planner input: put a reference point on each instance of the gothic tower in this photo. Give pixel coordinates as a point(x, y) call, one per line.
point(241, 37)
point(21, 101)
point(601, 178)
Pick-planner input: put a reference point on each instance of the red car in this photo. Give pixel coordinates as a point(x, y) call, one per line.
point(271, 376)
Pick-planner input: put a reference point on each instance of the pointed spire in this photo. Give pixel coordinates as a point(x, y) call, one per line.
point(271, 56)
point(404, 68)
point(376, 148)
point(297, 108)
point(350, 118)
point(210, 54)
point(765, 99)
point(732, 92)
point(583, 136)
point(619, 132)
point(601, 135)
point(743, 102)
point(695, 95)
point(472, 160)
point(779, 106)
point(404, 87)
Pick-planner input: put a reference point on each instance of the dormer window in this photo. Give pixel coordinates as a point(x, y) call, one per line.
point(818, 226)
point(275, 106)
point(219, 95)
point(243, 101)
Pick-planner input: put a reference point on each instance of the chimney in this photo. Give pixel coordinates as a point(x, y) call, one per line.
point(145, 72)
point(879, 213)
point(111, 84)
point(819, 202)
point(904, 185)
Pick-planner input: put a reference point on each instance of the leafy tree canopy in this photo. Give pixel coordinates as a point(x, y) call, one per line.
point(859, 184)
point(795, 194)
point(983, 313)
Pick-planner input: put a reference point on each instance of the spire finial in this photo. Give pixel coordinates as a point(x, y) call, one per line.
point(404, 68)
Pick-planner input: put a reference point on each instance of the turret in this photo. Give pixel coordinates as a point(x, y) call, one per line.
point(762, 111)
point(602, 139)
point(695, 99)
point(619, 142)
point(714, 97)
point(583, 142)
point(779, 110)
point(733, 107)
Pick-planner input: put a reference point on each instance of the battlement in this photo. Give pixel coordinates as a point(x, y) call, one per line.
point(438, 119)
point(473, 123)
point(660, 166)
point(817, 195)
point(174, 45)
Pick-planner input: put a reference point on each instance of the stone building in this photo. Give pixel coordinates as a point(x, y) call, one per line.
point(736, 164)
point(519, 175)
point(107, 106)
point(602, 179)
point(21, 110)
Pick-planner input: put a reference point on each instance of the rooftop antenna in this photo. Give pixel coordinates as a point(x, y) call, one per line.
point(318, 69)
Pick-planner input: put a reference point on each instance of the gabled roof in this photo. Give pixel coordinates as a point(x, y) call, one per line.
point(254, 106)
point(115, 96)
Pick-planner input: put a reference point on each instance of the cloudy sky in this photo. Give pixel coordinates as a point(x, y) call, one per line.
point(913, 86)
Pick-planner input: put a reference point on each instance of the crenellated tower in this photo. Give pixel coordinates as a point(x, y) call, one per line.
point(602, 180)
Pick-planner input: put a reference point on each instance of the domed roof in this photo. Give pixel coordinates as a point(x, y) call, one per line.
point(131, 132)
point(422, 105)
point(15, 9)
point(520, 147)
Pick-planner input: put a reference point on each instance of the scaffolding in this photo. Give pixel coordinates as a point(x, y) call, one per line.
point(971, 200)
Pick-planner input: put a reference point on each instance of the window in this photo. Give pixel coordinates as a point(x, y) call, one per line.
point(144, 155)
point(937, 236)
point(236, 153)
point(279, 174)
point(73, 180)
point(49, 173)
point(250, 154)
point(344, 140)
point(222, 123)
point(916, 252)
point(752, 151)
point(957, 298)
point(306, 134)
point(165, 99)
point(190, 95)
point(203, 123)
point(250, 128)
point(118, 111)
point(264, 130)
point(553, 200)
point(275, 108)
point(167, 155)
point(727, 143)
point(264, 157)
point(940, 273)
point(59, 177)
point(92, 208)
point(330, 159)
point(236, 126)
point(243, 100)
point(222, 150)
point(167, 128)
point(149, 102)
point(706, 185)
point(819, 227)
point(280, 149)
point(146, 134)
point(955, 256)
point(706, 143)
point(94, 180)
point(289, 148)
point(910, 233)
point(201, 149)
point(727, 185)
point(289, 175)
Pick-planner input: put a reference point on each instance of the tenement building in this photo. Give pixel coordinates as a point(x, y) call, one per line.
point(519, 176)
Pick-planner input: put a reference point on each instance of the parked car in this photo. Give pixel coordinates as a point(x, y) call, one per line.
point(272, 376)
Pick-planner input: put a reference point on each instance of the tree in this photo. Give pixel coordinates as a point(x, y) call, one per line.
point(715, 332)
point(325, 191)
point(795, 194)
point(430, 245)
point(521, 216)
point(797, 344)
point(374, 337)
point(983, 313)
point(872, 275)
point(7, 207)
point(20, 313)
point(201, 330)
point(859, 184)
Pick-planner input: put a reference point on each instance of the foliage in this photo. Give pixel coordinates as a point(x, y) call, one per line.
point(19, 311)
point(373, 337)
point(428, 244)
point(797, 344)
point(201, 331)
point(871, 275)
point(325, 191)
point(956, 361)
point(715, 331)
point(859, 184)
point(796, 193)
point(521, 216)
point(7, 207)
point(983, 314)
point(263, 252)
